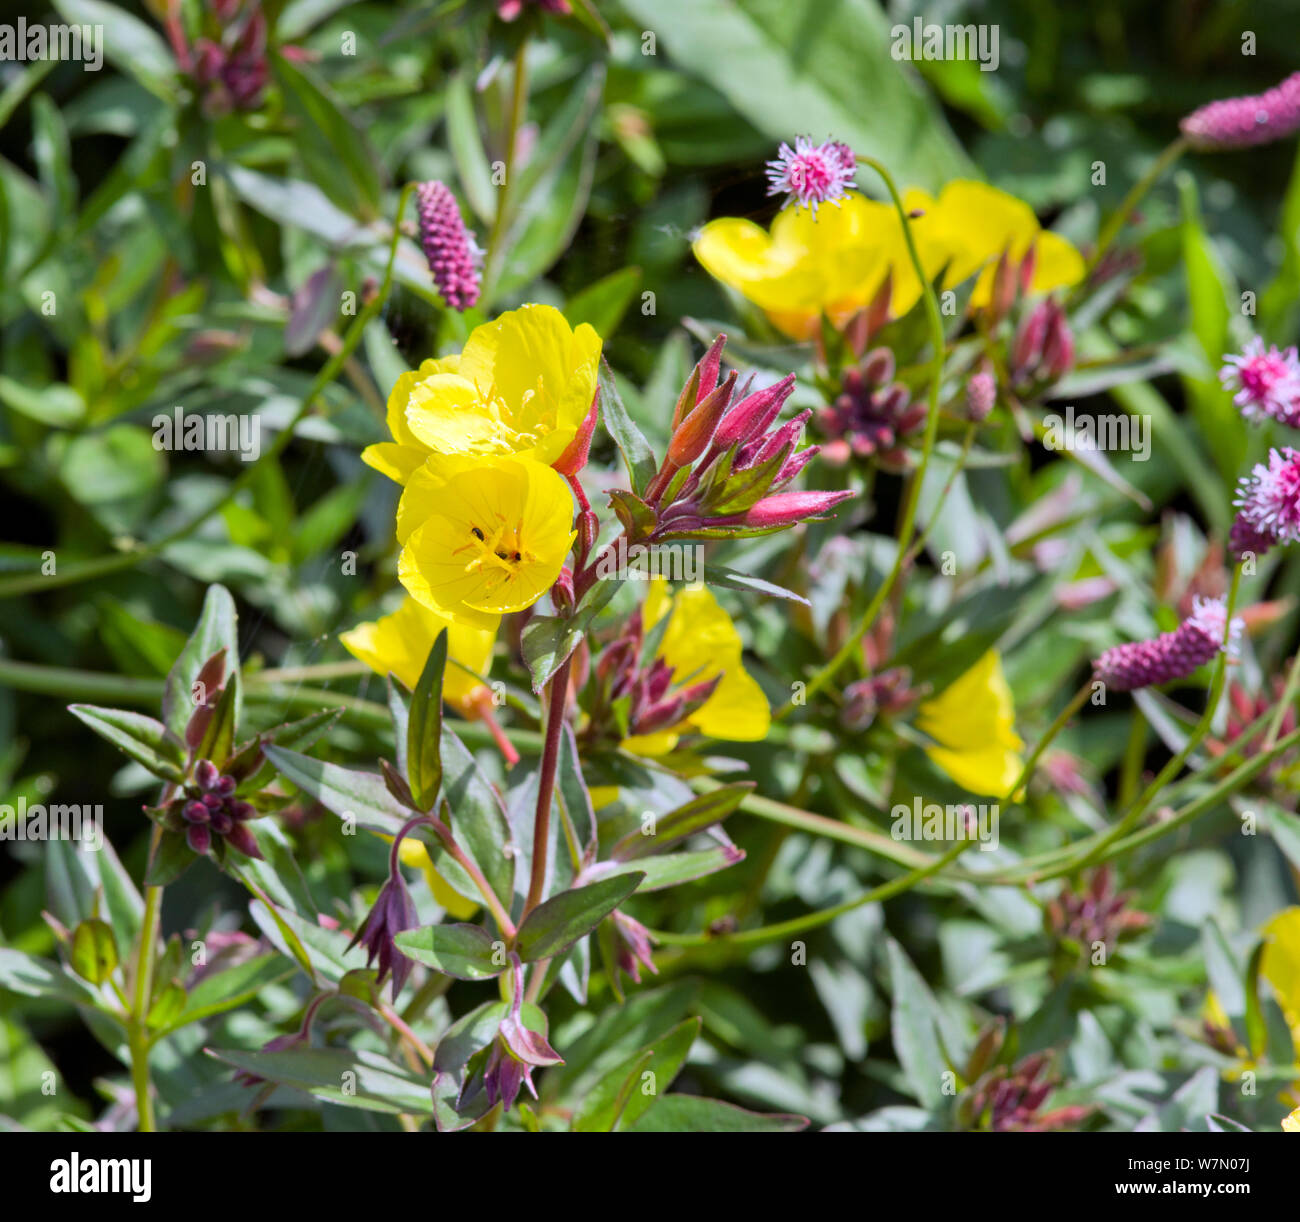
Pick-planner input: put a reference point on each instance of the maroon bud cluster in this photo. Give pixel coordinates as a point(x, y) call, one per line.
point(1009, 1099)
point(1094, 913)
point(1043, 349)
point(889, 692)
point(872, 416)
point(1245, 708)
point(209, 809)
point(231, 71)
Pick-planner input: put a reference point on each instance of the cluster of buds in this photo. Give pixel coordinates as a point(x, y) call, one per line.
point(633, 697)
point(210, 810)
point(1043, 349)
point(1096, 913)
point(1244, 710)
point(231, 69)
point(1010, 1098)
point(728, 464)
point(449, 248)
point(872, 416)
point(889, 692)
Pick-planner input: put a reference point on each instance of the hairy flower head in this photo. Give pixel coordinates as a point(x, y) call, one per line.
point(522, 385)
point(482, 536)
point(810, 174)
point(1265, 382)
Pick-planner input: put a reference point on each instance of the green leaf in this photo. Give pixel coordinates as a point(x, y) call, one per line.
point(128, 43)
point(228, 988)
point(335, 150)
point(915, 1027)
point(216, 629)
point(623, 1096)
point(219, 737)
point(424, 728)
point(673, 869)
point(172, 858)
point(142, 738)
point(691, 1114)
point(717, 575)
point(637, 456)
point(467, 952)
point(33, 977)
point(94, 951)
point(365, 1079)
point(564, 918)
point(603, 304)
point(788, 72)
point(467, 151)
point(547, 642)
point(694, 816)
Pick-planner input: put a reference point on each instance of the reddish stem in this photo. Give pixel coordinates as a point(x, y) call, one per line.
point(559, 691)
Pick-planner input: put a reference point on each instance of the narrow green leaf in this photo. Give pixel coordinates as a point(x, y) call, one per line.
point(142, 738)
point(564, 918)
point(467, 952)
point(424, 728)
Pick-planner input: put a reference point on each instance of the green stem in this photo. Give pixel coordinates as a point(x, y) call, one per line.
point(26, 583)
point(771, 933)
point(935, 322)
point(1287, 700)
point(1110, 231)
point(137, 1028)
point(559, 694)
point(1053, 730)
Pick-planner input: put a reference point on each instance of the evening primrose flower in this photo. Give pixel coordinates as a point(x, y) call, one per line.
point(971, 225)
point(399, 644)
point(829, 263)
point(482, 537)
point(972, 721)
point(700, 644)
point(522, 385)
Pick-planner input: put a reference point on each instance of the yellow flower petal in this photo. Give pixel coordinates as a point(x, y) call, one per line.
point(1280, 964)
point(973, 722)
point(699, 643)
point(491, 538)
point(399, 644)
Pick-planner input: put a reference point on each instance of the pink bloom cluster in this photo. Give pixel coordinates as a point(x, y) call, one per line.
point(810, 174)
point(1265, 382)
point(1268, 505)
point(450, 250)
point(1236, 123)
point(1171, 655)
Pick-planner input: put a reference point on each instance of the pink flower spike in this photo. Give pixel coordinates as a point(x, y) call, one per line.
point(810, 174)
point(1236, 123)
point(1171, 655)
point(448, 246)
point(1265, 382)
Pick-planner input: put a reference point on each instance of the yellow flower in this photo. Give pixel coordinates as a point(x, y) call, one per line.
point(834, 263)
point(970, 226)
point(482, 537)
point(1280, 965)
point(399, 644)
point(699, 643)
point(522, 385)
point(973, 722)
point(1291, 1123)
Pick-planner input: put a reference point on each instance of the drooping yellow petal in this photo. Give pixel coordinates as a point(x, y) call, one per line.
point(972, 721)
point(1280, 964)
point(491, 538)
point(699, 643)
point(399, 644)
